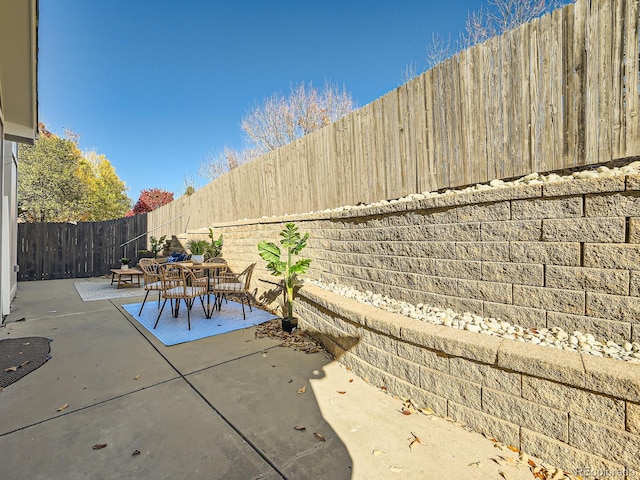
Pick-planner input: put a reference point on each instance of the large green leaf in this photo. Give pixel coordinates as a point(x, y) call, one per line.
point(269, 251)
point(300, 267)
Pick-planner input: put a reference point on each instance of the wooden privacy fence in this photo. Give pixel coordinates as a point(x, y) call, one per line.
point(559, 92)
point(47, 251)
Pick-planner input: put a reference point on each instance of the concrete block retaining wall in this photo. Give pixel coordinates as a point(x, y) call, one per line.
point(561, 254)
point(575, 411)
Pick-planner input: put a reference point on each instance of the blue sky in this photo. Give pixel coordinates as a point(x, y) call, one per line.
point(157, 85)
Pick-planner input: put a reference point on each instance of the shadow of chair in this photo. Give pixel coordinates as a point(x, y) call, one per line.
point(180, 283)
point(234, 283)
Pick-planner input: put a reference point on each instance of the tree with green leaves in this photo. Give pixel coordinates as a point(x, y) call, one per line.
point(57, 183)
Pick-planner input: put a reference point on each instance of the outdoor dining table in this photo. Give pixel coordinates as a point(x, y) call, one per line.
point(212, 269)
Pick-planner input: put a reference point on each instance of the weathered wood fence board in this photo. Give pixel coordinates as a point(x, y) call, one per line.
point(48, 251)
point(559, 92)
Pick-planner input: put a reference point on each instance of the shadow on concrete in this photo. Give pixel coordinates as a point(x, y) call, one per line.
point(221, 407)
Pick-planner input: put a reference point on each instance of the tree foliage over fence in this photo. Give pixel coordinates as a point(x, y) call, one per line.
point(58, 183)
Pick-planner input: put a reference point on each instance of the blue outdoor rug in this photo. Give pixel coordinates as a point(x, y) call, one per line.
point(172, 331)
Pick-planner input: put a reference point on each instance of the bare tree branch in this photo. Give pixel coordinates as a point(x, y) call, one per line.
point(279, 120)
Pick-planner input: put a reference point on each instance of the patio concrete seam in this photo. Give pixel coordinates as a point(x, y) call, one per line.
point(206, 401)
point(204, 369)
point(86, 407)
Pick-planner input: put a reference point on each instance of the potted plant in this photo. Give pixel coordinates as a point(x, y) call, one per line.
point(197, 249)
point(293, 243)
point(157, 245)
point(214, 249)
point(124, 263)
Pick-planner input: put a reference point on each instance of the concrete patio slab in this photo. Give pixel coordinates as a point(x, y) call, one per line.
point(176, 433)
point(223, 407)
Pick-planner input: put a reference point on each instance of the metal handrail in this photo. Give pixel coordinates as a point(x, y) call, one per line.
point(149, 231)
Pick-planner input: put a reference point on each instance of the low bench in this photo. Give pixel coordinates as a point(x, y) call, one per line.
point(126, 278)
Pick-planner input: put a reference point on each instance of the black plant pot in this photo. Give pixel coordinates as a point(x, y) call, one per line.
point(289, 324)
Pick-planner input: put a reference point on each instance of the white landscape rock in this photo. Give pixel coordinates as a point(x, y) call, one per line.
point(554, 337)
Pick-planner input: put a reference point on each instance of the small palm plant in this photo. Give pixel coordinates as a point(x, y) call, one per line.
point(293, 243)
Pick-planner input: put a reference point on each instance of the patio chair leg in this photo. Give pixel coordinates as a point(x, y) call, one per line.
point(158, 319)
point(248, 302)
point(159, 295)
point(189, 317)
point(243, 314)
point(203, 307)
point(145, 299)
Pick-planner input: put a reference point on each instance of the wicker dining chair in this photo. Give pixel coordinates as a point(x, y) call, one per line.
point(234, 283)
point(152, 280)
point(180, 283)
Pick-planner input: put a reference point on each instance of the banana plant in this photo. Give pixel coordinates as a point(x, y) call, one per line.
point(280, 262)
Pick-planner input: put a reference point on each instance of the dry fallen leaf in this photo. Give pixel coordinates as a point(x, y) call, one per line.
point(135, 452)
point(377, 453)
point(319, 436)
point(302, 389)
point(136, 377)
point(341, 393)
point(351, 380)
point(63, 407)
point(393, 468)
point(299, 427)
point(513, 449)
point(406, 412)
point(99, 446)
point(25, 363)
point(475, 464)
point(414, 439)
point(11, 369)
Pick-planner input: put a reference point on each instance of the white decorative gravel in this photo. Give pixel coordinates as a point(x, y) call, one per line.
point(554, 337)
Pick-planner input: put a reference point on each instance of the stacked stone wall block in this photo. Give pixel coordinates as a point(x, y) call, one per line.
point(458, 269)
point(625, 204)
point(518, 273)
point(420, 397)
point(610, 443)
point(515, 231)
point(584, 186)
point(485, 251)
point(634, 283)
point(450, 387)
point(617, 256)
point(548, 253)
point(484, 212)
point(592, 230)
point(575, 401)
point(602, 280)
point(423, 356)
point(389, 363)
point(486, 375)
point(632, 417)
point(617, 307)
point(506, 432)
point(539, 208)
point(463, 232)
point(554, 299)
point(527, 414)
point(572, 459)
point(490, 291)
point(634, 229)
point(377, 340)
